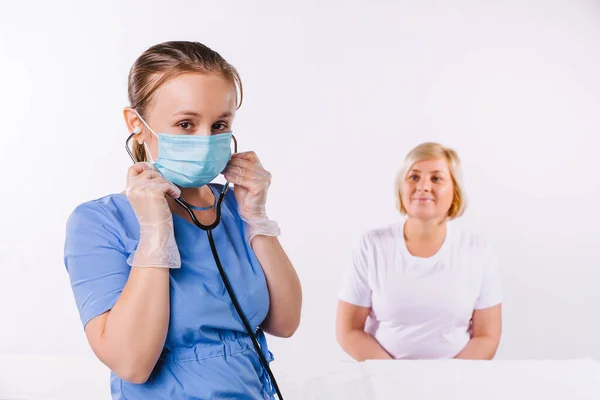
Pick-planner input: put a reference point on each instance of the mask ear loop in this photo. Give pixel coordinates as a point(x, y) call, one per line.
point(148, 155)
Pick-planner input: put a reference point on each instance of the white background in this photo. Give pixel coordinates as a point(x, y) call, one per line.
point(337, 92)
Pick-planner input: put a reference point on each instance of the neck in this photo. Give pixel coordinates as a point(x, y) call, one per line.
point(424, 230)
point(199, 197)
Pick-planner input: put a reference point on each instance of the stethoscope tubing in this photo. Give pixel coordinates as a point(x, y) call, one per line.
point(208, 229)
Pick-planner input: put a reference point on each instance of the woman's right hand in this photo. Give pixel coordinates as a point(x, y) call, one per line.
point(146, 191)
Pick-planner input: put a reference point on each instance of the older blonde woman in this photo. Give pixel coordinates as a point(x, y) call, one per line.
point(422, 288)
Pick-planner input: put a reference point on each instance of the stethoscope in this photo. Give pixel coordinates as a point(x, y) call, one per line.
point(208, 229)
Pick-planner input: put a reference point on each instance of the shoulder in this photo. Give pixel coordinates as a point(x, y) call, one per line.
point(106, 210)
point(380, 236)
point(469, 238)
point(385, 232)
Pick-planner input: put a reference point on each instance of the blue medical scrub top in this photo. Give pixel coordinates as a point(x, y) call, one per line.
point(207, 354)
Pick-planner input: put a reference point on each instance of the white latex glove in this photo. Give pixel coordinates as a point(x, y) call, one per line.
point(251, 184)
point(146, 191)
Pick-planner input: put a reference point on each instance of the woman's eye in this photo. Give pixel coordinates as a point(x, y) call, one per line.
point(436, 179)
point(219, 126)
point(185, 125)
point(413, 177)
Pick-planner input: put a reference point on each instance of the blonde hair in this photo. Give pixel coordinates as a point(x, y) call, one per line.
point(433, 151)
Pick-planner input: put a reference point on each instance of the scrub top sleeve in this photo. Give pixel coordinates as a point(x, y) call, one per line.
point(491, 285)
point(355, 287)
point(95, 260)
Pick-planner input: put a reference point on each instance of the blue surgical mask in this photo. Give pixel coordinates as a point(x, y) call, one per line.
point(191, 160)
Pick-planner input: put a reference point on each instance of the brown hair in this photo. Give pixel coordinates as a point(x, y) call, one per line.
point(432, 151)
point(165, 61)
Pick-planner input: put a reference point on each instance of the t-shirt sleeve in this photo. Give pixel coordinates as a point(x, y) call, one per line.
point(490, 293)
point(95, 259)
point(354, 288)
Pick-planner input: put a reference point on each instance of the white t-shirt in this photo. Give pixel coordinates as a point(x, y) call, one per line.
point(421, 308)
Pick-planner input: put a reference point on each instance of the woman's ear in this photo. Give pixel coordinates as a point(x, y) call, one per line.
point(134, 125)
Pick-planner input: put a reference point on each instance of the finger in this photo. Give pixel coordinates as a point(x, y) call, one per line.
point(171, 189)
point(165, 187)
point(138, 168)
point(255, 167)
point(243, 163)
point(243, 172)
point(149, 175)
point(235, 179)
point(247, 155)
point(248, 183)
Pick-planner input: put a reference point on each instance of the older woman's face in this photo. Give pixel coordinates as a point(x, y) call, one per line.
point(427, 191)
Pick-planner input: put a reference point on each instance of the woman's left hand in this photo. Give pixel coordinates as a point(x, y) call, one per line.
point(251, 183)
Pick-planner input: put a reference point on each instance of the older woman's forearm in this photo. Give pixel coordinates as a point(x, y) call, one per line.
point(479, 348)
point(361, 346)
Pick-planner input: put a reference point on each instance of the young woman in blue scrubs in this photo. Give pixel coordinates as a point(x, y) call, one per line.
point(147, 288)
